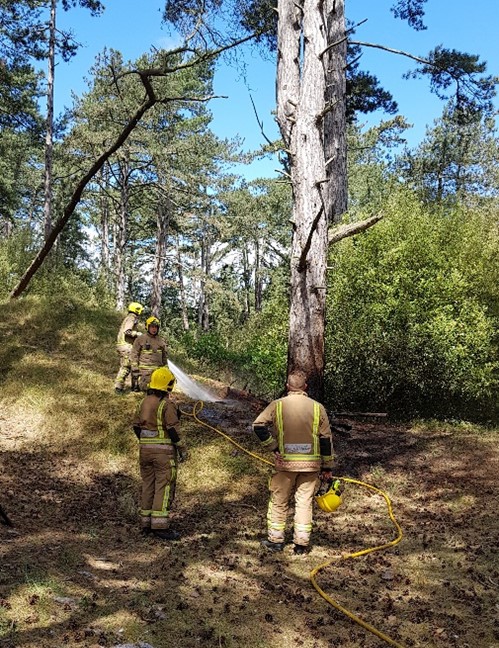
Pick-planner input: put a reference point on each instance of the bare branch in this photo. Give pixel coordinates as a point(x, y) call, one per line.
point(351, 229)
point(327, 108)
point(342, 40)
point(303, 257)
point(283, 173)
point(260, 123)
point(393, 51)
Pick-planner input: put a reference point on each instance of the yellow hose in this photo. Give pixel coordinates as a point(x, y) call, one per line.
point(198, 406)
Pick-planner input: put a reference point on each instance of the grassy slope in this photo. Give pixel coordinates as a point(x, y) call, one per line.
point(75, 571)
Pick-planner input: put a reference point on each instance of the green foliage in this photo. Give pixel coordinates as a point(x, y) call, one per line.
point(413, 311)
point(253, 354)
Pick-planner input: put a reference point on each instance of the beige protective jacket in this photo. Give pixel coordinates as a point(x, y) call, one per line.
point(298, 427)
point(148, 353)
point(155, 416)
point(128, 332)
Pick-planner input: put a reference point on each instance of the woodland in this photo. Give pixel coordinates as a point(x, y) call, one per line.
point(371, 265)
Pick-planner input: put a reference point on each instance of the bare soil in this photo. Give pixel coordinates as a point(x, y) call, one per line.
point(76, 572)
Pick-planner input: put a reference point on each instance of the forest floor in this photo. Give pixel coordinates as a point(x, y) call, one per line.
point(76, 572)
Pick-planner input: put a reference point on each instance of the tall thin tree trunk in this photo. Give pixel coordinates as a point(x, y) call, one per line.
point(122, 236)
point(105, 261)
point(311, 113)
point(162, 226)
point(49, 126)
point(258, 278)
point(181, 290)
point(246, 282)
point(204, 307)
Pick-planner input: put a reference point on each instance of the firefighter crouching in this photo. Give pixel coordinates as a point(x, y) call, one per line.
point(149, 352)
point(126, 337)
point(156, 425)
point(296, 428)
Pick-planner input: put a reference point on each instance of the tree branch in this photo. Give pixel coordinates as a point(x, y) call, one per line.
point(303, 257)
point(393, 51)
point(348, 31)
point(344, 231)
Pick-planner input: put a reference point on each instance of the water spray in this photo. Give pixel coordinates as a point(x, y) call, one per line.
point(190, 387)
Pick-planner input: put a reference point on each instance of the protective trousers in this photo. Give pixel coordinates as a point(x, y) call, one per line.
point(282, 486)
point(158, 469)
point(125, 367)
point(145, 378)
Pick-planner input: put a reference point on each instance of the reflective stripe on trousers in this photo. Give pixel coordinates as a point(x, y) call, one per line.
point(282, 486)
point(158, 470)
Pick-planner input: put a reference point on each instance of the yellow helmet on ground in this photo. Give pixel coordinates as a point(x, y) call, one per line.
point(162, 379)
point(330, 500)
point(136, 308)
point(152, 320)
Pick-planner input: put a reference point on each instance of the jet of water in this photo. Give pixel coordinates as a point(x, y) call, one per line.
point(189, 386)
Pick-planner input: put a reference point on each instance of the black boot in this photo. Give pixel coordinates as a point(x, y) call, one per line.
point(300, 550)
point(165, 534)
point(272, 546)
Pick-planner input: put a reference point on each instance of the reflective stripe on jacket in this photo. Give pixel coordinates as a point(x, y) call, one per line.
point(160, 438)
point(155, 416)
point(298, 451)
point(300, 432)
point(128, 331)
point(148, 352)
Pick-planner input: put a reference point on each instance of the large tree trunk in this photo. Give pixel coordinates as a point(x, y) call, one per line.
point(311, 99)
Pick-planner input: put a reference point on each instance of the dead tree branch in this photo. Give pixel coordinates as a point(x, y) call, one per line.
point(352, 228)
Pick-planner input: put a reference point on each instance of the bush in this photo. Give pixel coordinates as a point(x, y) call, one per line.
point(413, 313)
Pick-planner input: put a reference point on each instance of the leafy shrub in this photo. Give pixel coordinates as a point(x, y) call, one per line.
point(413, 310)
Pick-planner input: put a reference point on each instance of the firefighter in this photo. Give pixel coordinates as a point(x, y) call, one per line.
point(156, 425)
point(296, 428)
point(149, 352)
point(126, 337)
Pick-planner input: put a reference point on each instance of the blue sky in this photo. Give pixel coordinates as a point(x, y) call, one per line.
point(133, 26)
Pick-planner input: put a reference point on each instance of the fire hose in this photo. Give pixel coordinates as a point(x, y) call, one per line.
point(198, 406)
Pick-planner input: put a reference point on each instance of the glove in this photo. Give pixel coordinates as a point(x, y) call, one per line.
point(179, 413)
point(135, 382)
point(182, 455)
point(136, 429)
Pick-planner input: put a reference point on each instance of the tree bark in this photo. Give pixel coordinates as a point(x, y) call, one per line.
point(311, 116)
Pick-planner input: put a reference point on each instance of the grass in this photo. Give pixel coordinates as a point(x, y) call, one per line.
point(76, 572)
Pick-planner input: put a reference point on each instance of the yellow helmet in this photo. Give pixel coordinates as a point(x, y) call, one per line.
point(162, 379)
point(330, 500)
point(151, 320)
point(136, 308)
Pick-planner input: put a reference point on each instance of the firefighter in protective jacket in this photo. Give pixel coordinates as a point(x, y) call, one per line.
point(126, 337)
point(156, 425)
point(296, 428)
point(149, 352)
